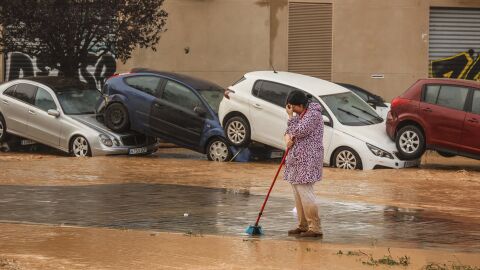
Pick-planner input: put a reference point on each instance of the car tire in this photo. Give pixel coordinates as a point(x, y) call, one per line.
point(116, 117)
point(410, 142)
point(346, 158)
point(79, 147)
point(237, 131)
point(3, 129)
point(445, 154)
point(219, 150)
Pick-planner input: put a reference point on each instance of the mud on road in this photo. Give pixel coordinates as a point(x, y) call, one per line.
point(177, 193)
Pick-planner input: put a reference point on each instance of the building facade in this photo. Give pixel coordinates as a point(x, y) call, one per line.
point(381, 45)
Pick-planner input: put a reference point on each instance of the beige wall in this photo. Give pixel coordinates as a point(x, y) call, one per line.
point(383, 37)
point(388, 38)
point(228, 38)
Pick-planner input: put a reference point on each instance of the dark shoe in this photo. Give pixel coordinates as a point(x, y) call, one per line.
point(297, 231)
point(311, 234)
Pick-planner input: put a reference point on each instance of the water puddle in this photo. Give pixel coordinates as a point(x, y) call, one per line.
point(199, 210)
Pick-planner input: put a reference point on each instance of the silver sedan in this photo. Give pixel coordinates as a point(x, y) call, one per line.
point(60, 112)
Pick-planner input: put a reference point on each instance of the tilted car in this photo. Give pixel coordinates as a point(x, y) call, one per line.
point(437, 114)
point(377, 102)
point(354, 134)
point(60, 112)
point(177, 108)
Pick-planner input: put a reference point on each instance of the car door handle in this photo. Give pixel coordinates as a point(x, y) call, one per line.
point(258, 106)
point(32, 112)
point(473, 120)
point(4, 101)
point(427, 110)
point(157, 105)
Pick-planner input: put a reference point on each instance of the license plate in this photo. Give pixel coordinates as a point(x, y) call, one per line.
point(27, 142)
point(136, 151)
point(414, 163)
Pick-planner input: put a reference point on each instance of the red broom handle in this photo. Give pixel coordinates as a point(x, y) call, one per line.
point(271, 187)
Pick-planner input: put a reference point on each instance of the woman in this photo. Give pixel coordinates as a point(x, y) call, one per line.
point(304, 163)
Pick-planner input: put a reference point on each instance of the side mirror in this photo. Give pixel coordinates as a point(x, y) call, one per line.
point(54, 113)
point(200, 111)
point(372, 104)
point(326, 120)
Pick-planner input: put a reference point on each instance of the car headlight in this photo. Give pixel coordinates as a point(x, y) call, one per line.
point(379, 152)
point(105, 140)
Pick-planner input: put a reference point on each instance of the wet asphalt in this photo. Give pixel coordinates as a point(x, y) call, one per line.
point(221, 211)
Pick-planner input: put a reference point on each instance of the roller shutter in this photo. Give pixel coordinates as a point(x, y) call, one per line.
point(454, 44)
point(310, 39)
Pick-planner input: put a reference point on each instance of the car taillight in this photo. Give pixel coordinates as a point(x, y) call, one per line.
point(227, 93)
point(398, 101)
point(117, 74)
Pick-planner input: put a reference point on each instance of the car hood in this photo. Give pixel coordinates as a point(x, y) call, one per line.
point(373, 134)
point(91, 121)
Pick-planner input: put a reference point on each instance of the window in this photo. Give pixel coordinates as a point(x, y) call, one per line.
point(44, 100)
point(272, 92)
point(431, 94)
point(10, 91)
point(256, 88)
point(147, 84)
point(25, 92)
point(213, 96)
point(351, 110)
point(476, 102)
point(180, 95)
point(453, 97)
point(361, 94)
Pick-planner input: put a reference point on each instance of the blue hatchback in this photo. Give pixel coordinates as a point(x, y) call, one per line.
point(177, 108)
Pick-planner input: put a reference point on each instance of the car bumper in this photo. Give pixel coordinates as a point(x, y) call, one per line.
point(374, 162)
point(102, 150)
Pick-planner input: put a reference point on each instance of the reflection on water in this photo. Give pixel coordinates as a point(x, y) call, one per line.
point(228, 212)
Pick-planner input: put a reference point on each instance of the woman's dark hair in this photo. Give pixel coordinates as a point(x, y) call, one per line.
point(298, 98)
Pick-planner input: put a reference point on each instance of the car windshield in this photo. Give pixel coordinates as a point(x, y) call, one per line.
point(78, 100)
point(350, 110)
point(213, 96)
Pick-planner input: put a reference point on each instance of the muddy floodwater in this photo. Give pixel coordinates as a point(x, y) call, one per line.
point(434, 207)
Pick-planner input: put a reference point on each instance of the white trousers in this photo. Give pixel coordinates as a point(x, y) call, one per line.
point(307, 210)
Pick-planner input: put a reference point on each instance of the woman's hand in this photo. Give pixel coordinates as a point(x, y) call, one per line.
point(288, 141)
point(290, 144)
point(289, 109)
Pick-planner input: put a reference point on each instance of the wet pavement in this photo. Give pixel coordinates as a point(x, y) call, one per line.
point(201, 210)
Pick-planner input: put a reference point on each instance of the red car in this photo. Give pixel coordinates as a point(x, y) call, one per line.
point(437, 114)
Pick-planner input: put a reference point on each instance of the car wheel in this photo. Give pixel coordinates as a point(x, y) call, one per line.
point(80, 147)
point(445, 154)
point(410, 142)
point(346, 158)
point(218, 150)
point(237, 130)
point(116, 117)
point(3, 129)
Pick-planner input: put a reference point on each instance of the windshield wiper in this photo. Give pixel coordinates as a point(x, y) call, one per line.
point(354, 115)
point(371, 114)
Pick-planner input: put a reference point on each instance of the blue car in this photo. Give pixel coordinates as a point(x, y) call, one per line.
point(175, 107)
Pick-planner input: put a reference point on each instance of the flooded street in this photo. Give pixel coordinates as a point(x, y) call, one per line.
point(50, 205)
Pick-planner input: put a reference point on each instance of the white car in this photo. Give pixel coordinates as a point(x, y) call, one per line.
point(354, 135)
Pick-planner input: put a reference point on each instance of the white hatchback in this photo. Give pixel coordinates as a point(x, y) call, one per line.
point(354, 135)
